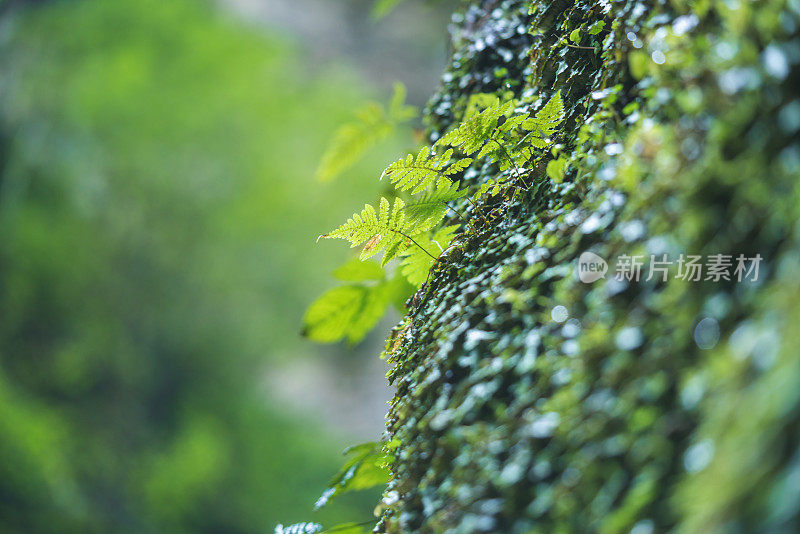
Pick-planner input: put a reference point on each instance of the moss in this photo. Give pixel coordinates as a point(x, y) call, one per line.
point(680, 139)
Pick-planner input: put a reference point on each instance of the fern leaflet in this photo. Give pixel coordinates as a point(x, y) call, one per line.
point(472, 133)
point(431, 207)
point(426, 169)
point(377, 230)
point(546, 121)
point(372, 124)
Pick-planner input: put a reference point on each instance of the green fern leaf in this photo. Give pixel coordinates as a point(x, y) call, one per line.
point(377, 230)
point(471, 134)
point(417, 264)
point(372, 124)
point(426, 169)
point(345, 312)
point(546, 121)
point(351, 141)
point(398, 110)
point(432, 207)
point(493, 184)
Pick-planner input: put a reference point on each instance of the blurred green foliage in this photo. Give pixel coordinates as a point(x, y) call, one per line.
point(157, 225)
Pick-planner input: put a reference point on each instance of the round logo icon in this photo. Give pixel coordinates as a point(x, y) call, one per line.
point(591, 267)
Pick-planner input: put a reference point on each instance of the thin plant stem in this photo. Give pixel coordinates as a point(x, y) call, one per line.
point(511, 160)
point(593, 49)
point(478, 211)
point(413, 241)
point(460, 215)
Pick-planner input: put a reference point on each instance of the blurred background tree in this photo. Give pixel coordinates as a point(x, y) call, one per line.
point(158, 211)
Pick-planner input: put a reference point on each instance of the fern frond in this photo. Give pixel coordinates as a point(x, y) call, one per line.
point(493, 184)
point(426, 169)
point(372, 124)
point(546, 121)
point(471, 134)
point(431, 207)
point(398, 110)
point(377, 230)
point(417, 264)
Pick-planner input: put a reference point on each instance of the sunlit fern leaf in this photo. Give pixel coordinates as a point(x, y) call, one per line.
point(352, 140)
point(372, 124)
point(512, 123)
point(545, 122)
point(430, 208)
point(417, 264)
point(493, 185)
point(346, 312)
point(458, 166)
point(471, 134)
point(299, 528)
point(417, 173)
point(377, 230)
point(398, 110)
point(365, 468)
point(477, 102)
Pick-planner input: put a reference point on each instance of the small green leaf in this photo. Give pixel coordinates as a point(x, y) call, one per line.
point(346, 312)
point(597, 27)
point(366, 468)
point(556, 169)
point(575, 35)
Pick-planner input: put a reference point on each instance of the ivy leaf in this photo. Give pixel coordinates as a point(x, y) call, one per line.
point(556, 169)
point(575, 35)
point(597, 27)
point(365, 468)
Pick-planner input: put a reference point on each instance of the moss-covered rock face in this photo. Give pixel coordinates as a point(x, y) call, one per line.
point(529, 401)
